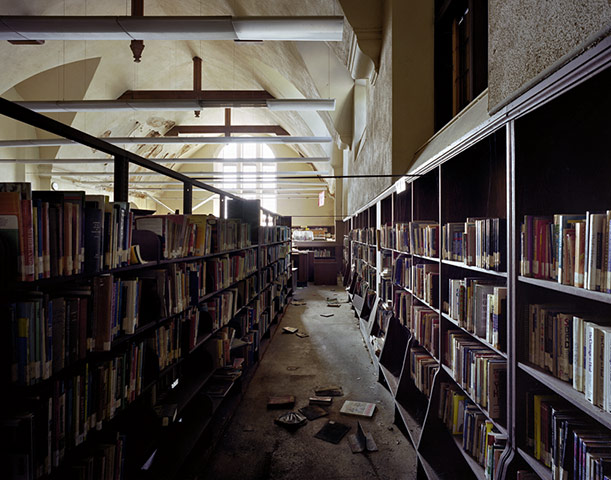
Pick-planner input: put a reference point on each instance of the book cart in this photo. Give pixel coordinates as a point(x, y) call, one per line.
point(172, 384)
point(503, 392)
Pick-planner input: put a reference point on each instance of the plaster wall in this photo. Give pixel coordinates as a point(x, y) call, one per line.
point(374, 154)
point(528, 39)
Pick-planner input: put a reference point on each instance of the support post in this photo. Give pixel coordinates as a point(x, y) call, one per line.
point(121, 179)
point(223, 204)
point(187, 199)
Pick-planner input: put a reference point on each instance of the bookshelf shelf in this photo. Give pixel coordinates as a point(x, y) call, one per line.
point(577, 292)
point(567, 391)
point(540, 469)
point(123, 378)
point(481, 340)
point(483, 410)
point(413, 427)
point(482, 197)
point(478, 470)
point(474, 269)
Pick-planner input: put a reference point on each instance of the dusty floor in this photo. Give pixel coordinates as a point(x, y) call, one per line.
point(253, 447)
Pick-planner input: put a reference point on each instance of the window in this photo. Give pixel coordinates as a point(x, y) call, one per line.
point(254, 180)
point(461, 55)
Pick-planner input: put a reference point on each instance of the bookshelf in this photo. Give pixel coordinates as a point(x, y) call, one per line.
point(126, 365)
point(454, 239)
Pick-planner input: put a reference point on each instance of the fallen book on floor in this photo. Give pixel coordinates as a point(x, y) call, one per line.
point(360, 441)
point(289, 329)
point(329, 391)
point(302, 335)
point(282, 401)
point(362, 409)
point(291, 420)
point(327, 315)
point(335, 305)
point(332, 432)
point(312, 412)
point(321, 400)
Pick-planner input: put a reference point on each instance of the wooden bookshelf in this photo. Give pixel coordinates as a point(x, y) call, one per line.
point(176, 362)
point(528, 160)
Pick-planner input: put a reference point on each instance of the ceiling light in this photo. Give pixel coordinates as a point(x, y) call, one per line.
point(277, 104)
point(317, 28)
point(92, 160)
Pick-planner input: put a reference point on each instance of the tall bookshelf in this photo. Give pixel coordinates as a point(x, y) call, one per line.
point(171, 381)
point(544, 154)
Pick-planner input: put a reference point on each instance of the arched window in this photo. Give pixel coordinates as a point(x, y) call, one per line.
point(256, 180)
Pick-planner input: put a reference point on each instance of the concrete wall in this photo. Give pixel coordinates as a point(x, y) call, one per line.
point(528, 38)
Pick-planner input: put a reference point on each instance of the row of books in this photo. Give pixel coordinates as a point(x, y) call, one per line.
point(425, 282)
point(565, 440)
point(572, 347)
point(402, 306)
point(570, 249)
point(424, 326)
point(364, 235)
point(276, 233)
point(479, 306)
point(272, 253)
point(479, 438)
point(401, 272)
point(52, 233)
point(424, 238)
point(395, 237)
point(422, 368)
point(365, 253)
point(23, 457)
point(386, 286)
point(478, 370)
point(227, 269)
point(323, 253)
point(479, 242)
point(269, 273)
point(78, 405)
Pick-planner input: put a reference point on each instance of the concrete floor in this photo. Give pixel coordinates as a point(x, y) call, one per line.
point(253, 447)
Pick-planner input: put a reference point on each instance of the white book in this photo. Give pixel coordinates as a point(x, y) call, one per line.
point(578, 353)
point(588, 386)
point(607, 369)
point(594, 250)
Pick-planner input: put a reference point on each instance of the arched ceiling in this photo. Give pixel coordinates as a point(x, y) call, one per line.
point(74, 70)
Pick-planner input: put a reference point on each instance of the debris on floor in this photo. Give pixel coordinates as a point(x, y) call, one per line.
point(281, 401)
point(312, 412)
point(297, 303)
point(326, 315)
point(361, 441)
point(361, 409)
point(291, 420)
point(329, 391)
point(321, 400)
point(292, 369)
point(332, 432)
point(248, 428)
point(302, 335)
point(333, 302)
point(289, 329)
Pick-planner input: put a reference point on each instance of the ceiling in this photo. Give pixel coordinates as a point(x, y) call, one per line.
point(96, 70)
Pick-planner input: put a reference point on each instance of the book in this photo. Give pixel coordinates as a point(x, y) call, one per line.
point(361, 409)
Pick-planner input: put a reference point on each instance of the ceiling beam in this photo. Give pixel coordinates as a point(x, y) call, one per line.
point(279, 28)
point(58, 142)
point(209, 174)
point(177, 161)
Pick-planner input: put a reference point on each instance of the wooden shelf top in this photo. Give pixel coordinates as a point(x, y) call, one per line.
point(478, 470)
point(571, 290)
point(473, 268)
point(540, 469)
point(475, 337)
point(567, 391)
